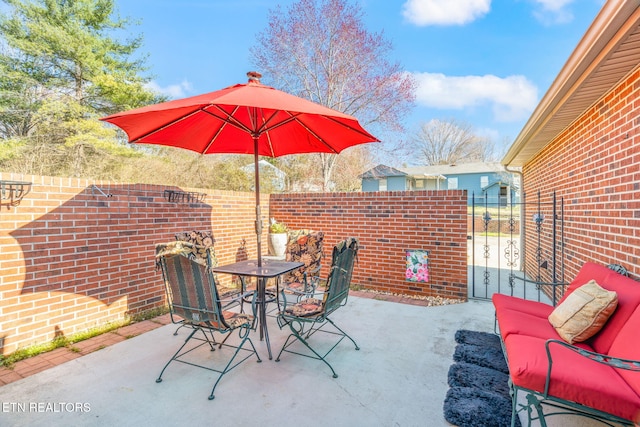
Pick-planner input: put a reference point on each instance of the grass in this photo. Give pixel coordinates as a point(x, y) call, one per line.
point(62, 341)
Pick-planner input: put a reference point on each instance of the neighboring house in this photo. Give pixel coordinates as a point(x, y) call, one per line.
point(277, 178)
point(582, 143)
point(485, 181)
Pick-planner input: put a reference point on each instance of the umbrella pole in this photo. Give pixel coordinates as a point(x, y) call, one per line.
point(258, 213)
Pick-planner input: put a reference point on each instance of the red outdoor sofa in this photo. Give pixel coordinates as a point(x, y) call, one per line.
point(588, 361)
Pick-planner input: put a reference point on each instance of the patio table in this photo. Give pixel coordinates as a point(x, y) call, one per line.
point(269, 269)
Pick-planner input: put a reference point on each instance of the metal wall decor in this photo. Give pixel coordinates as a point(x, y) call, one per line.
point(95, 189)
point(12, 192)
point(184, 197)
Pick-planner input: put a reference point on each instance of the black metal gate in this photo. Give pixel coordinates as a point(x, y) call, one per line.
point(508, 256)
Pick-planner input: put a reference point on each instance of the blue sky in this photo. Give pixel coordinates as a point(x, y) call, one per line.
point(482, 62)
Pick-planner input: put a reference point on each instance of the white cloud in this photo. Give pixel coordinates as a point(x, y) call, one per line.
point(175, 91)
point(553, 5)
point(553, 11)
point(444, 12)
point(511, 98)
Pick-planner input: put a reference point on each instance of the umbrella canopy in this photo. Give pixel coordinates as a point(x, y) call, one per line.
point(246, 118)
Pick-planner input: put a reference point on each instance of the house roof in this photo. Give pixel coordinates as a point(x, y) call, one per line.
point(500, 183)
point(609, 50)
point(433, 172)
point(456, 169)
point(382, 171)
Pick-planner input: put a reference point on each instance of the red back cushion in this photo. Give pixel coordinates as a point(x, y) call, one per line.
point(589, 271)
point(627, 346)
point(628, 291)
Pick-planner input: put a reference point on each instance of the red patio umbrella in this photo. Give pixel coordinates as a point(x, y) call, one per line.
point(246, 118)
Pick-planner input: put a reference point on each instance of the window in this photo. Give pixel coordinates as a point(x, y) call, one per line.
point(419, 183)
point(382, 184)
point(484, 181)
point(452, 183)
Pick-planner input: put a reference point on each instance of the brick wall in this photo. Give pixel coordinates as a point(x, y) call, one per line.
point(595, 166)
point(72, 258)
point(387, 224)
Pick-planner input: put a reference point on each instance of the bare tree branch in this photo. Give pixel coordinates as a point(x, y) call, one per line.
point(448, 142)
point(320, 50)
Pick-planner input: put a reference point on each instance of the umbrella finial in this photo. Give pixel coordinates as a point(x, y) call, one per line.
point(254, 76)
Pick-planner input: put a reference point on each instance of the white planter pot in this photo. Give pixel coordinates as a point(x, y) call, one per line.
point(277, 244)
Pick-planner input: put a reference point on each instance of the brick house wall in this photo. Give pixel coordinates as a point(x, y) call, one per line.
point(594, 165)
point(72, 258)
point(387, 224)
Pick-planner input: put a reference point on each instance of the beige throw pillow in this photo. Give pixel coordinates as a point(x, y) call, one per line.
point(584, 312)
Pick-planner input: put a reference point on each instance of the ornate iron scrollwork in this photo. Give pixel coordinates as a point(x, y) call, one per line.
point(12, 192)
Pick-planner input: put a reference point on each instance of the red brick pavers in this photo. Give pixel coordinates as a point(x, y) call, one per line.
point(33, 365)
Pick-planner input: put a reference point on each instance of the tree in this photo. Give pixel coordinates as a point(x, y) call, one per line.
point(320, 50)
point(60, 67)
point(448, 142)
point(350, 165)
point(64, 47)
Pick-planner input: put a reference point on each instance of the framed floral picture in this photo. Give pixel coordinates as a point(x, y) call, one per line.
point(417, 265)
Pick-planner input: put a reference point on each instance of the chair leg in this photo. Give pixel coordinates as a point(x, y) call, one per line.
point(176, 356)
point(297, 334)
point(177, 329)
point(343, 333)
point(243, 333)
point(177, 353)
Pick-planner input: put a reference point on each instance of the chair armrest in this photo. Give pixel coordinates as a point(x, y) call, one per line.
point(309, 279)
point(314, 271)
point(237, 297)
point(228, 301)
point(615, 362)
point(309, 283)
point(539, 285)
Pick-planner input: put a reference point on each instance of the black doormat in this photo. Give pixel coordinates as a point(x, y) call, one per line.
point(478, 381)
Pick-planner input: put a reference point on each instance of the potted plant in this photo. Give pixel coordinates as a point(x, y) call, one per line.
point(277, 238)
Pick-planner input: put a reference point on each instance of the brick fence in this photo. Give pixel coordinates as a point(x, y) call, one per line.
point(387, 224)
point(76, 254)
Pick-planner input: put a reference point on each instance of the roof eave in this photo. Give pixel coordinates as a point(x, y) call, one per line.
point(615, 22)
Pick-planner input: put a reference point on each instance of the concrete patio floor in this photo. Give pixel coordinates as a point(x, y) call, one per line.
point(398, 378)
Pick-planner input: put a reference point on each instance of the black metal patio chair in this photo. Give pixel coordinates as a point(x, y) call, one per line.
point(205, 246)
point(205, 241)
point(193, 295)
point(311, 315)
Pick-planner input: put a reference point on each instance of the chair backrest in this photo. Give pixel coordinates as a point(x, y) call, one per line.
point(304, 246)
point(342, 261)
point(204, 242)
point(190, 286)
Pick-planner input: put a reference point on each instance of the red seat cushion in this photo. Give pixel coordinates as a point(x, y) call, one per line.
point(517, 322)
point(573, 377)
point(501, 301)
